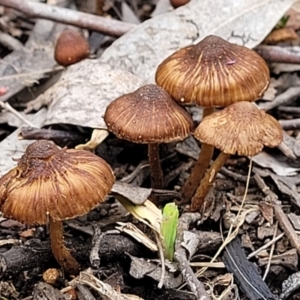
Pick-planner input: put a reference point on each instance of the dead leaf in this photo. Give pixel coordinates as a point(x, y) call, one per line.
point(128, 15)
point(143, 48)
point(11, 148)
point(83, 92)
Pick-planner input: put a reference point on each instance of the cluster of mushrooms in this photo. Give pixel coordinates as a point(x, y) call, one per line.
point(50, 184)
point(212, 73)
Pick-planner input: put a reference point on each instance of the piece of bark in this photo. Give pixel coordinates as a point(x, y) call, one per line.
point(208, 241)
point(245, 273)
point(35, 253)
point(44, 291)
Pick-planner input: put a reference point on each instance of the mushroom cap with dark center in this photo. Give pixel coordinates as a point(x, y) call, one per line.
point(213, 72)
point(71, 47)
point(240, 128)
point(61, 183)
point(148, 115)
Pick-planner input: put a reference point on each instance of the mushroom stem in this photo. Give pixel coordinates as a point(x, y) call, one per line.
point(205, 156)
point(198, 199)
point(60, 251)
point(155, 167)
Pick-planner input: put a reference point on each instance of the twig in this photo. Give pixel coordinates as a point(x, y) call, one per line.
point(279, 54)
point(289, 109)
point(235, 176)
point(67, 16)
point(283, 220)
point(30, 133)
point(10, 42)
point(290, 124)
point(287, 227)
point(29, 74)
point(285, 98)
point(273, 241)
point(16, 113)
point(180, 256)
point(104, 290)
point(271, 254)
point(96, 242)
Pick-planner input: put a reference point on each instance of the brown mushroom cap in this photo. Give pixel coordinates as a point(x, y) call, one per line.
point(178, 3)
point(240, 128)
point(213, 72)
point(71, 47)
point(63, 183)
point(148, 115)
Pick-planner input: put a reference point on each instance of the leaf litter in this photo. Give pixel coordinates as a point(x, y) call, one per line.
point(77, 102)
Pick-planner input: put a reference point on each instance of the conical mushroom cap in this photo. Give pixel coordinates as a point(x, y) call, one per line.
point(212, 73)
point(148, 115)
point(60, 183)
point(240, 128)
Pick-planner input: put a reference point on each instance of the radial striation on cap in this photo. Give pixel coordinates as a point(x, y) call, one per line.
point(240, 128)
point(61, 183)
point(148, 115)
point(213, 72)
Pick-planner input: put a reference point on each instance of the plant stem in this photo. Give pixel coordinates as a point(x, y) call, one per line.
point(190, 186)
point(60, 251)
point(155, 167)
point(198, 199)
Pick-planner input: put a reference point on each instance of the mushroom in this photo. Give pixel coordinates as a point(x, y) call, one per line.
point(149, 116)
point(240, 128)
point(71, 47)
point(212, 73)
point(52, 184)
point(178, 3)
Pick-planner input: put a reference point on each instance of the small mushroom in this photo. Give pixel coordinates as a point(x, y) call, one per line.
point(240, 128)
point(149, 116)
point(178, 3)
point(212, 73)
point(71, 47)
point(52, 184)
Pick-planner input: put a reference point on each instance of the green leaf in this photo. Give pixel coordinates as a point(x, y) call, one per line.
point(168, 229)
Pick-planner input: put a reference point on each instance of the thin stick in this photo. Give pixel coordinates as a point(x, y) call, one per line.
point(270, 255)
point(281, 217)
point(190, 186)
point(273, 241)
point(16, 113)
point(28, 74)
point(67, 16)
